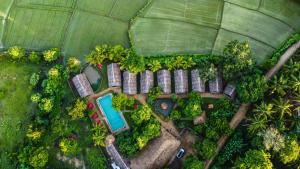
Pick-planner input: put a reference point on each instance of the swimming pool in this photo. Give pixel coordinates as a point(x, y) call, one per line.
point(114, 118)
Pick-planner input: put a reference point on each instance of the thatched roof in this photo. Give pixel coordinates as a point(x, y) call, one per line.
point(164, 81)
point(117, 158)
point(230, 91)
point(157, 153)
point(129, 83)
point(147, 81)
point(92, 75)
point(114, 75)
point(198, 84)
point(82, 85)
point(181, 81)
point(216, 85)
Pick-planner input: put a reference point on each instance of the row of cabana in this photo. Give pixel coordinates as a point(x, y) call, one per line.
point(164, 80)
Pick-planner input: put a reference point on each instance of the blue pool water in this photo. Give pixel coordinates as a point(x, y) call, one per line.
point(114, 118)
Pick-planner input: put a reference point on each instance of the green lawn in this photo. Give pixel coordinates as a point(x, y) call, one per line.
point(15, 105)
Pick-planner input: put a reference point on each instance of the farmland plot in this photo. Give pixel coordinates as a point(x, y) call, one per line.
point(264, 23)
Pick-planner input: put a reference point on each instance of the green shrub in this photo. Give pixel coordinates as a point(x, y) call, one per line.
point(193, 162)
point(207, 148)
point(34, 57)
point(254, 159)
point(95, 159)
point(51, 54)
point(16, 52)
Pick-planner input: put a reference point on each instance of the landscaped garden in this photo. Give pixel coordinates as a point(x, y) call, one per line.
point(148, 84)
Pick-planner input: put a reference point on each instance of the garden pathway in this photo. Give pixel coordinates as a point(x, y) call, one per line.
point(241, 114)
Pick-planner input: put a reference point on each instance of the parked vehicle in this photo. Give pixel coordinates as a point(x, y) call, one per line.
point(115, 166)
point(180, 153)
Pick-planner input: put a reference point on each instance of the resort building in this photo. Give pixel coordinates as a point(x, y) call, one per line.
point(114, 75)
point(92, 75)
point(164, 81)
point(181, 81)
point(216, 85)
point(230, 91)
point(198, 85)
point(157, 153)
point(129, 83)
point(116, 157)
point(147, 81)
point(82, 85)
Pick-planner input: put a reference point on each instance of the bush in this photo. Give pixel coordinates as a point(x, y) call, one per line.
point(46, 105)
point(238, 61)
point(207, 149)
point(291, 151)
point(77, 111)
point(16, 52)
point(34, 57)
point(73, 65)
point(193, 162)
point(96, 159)
point(34, 79)
point(122, 102)
point(51, 54)
point(254, 159)
point(68, 147)
point(133, 63)
point(251, 88)
point(39, 158)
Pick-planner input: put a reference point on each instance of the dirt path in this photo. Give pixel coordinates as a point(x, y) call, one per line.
point(241, 114)
point(283, 59)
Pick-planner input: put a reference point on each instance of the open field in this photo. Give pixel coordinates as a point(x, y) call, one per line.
point(73, 25)
point(15, 105)
point(264, 23)
point(164, 26)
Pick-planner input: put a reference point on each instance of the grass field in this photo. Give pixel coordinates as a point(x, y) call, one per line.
point(15, 105)
point(76, 26)
point(80, 40)
point(201, 12)
point(153, 36)
point(197, 26)
point(36, 28)
point(258, 49)
point(264, 23)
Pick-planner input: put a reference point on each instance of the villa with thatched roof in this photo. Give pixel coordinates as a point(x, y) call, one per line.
point(230, 91)
point(114, 75)
point(82, 85)
point(157, 153)
point(147, 81)
point(198, 85)
point(129, 83)
point(181, 81)
point(216, 85)
point(164, 81)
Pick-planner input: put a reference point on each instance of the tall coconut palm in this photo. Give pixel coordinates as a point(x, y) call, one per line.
point(279, 85)
point(296, 83)
point(265, 110)
point(283, 107)
point(257, 124)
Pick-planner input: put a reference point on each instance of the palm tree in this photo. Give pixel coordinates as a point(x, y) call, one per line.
point(279, 85)
point(257, 123)
point(283, 107)
point(99, 135)
point(265, 110)
point(296, 83)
